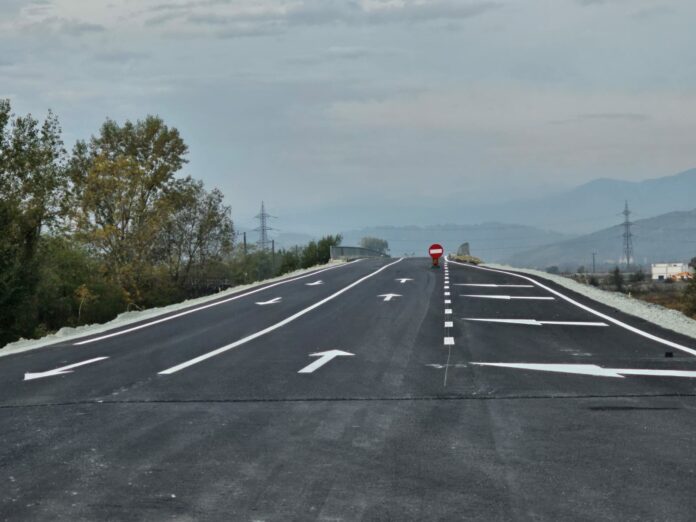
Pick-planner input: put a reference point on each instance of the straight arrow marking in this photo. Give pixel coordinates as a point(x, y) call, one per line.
point(60, 371)
point(593, 369)
point(315, 283)
point(488, 285)
point(534, 322)
point(508, 297)
point(324, 357)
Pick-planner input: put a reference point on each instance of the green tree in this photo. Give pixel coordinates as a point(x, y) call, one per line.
point(197, 232)
point(689, 298)
point(616, 279)
point(122, 188)
point(375, 243)
point(32, 186)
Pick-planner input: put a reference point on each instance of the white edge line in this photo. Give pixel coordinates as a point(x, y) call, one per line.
point(273, 327)
point(588, 309)
point(204, 307)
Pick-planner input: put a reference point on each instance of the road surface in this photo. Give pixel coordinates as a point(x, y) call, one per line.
point(379, 390)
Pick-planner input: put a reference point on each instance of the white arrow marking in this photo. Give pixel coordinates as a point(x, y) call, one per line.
point(324, 357)
point(487, 285)
point(315, 283)
point(275, 300)
point(404, 280)
point(59, 371)
point(389, 297)
point(534, 322)
point(508, 297)
point(593, 369)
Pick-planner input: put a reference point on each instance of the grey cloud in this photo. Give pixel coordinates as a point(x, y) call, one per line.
point(119, 56)
point(626, 116)
point(615, 116)
point(77, 28)
point(315, 13)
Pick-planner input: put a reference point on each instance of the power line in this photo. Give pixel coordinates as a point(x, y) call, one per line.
point(263, 217)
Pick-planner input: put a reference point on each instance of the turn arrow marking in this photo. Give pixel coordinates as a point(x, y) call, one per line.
point(315, 283)
point(324, 357)
point(275, 300)
point(389, 297)
point(403, 280)
point(592, 369)
point(59, 371)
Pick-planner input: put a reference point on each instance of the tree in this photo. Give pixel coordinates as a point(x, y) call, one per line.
point(689, 298)
point(122, 189)
point(553, 270)
point(197, 231)
point(616, 279)
point(375, 243)
point(32, 186)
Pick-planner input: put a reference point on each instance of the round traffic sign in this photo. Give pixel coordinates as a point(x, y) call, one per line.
point(436, 251)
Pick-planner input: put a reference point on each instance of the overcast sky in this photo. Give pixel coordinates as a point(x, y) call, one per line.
point(315, 104)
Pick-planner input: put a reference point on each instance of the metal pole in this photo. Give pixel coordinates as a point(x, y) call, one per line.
point(594, 265)
point(245, 244)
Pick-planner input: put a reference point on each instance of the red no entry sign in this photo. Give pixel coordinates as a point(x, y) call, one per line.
point(436, 252)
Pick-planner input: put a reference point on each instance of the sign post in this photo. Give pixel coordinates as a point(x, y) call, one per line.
point(436, 252)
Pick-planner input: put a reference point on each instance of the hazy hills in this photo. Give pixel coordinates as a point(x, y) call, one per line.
point(492, 241)
point(665, 238)
point(598, 204)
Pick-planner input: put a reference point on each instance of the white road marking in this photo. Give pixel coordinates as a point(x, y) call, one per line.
point(447, 287)
point(628, 327)
point(449, 341)
point(508, 297)
point(389, 297)
point(490, 285)
point(315, 283)
point(441, 366)
point(593, 369)
point(449, 324)
point(60, 371)
point(275, 300)
point(534, 322)
point(448, 301)
point(403, 280)
point(447, 293)
point(324, 357)
point(205, 307)
point(448, 311)
point(271, 328)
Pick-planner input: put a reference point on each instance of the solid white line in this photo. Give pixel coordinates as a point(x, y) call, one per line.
point(271, 328)
point(449, 324)
point(204, 307)
point(508, 297)
point(591, 310)
point(449, 341)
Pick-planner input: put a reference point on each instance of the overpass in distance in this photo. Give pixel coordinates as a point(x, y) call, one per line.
point(381, 389)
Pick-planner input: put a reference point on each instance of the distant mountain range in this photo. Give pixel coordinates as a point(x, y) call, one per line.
point(669, 237)
point(491, 241)
point(597, 204)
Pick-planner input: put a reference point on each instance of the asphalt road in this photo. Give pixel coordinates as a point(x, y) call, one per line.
point(226, 413)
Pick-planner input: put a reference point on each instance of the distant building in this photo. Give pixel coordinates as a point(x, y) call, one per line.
point(673, 271)
point(463, 250)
